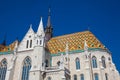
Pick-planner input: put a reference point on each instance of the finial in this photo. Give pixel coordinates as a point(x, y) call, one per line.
point(30, 25)
point(49, 11)
point(85, 46)
point(40, 30)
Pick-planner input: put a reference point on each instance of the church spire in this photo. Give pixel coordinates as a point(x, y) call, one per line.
point(49, 21)
point(40, 30)
point(49, 29)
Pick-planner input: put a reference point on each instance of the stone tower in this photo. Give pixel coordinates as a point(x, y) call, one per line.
point(38, 54)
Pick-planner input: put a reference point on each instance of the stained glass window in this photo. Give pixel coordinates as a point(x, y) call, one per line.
point(82, 77)
point(96, 76)
point(94, 62)
point(3, 69)
point(77, 63)
point(26, 68)
point(75, 77)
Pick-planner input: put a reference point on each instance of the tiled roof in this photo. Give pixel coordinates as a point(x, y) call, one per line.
point(75, 42)
point(8, 48)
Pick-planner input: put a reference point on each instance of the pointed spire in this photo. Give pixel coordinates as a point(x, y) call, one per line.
point(31, 29)
point(31, 26)
point(49, 22)
point(49, 29)
point(85, 46)
point(40, 30)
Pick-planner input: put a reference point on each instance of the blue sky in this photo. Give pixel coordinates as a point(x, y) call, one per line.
point(68, 16)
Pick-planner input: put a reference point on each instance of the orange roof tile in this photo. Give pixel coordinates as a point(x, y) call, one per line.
point(75, 41)
point(8, 48)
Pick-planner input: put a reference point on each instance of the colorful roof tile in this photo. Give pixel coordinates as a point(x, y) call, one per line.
point(75, 42)
point(8, 48)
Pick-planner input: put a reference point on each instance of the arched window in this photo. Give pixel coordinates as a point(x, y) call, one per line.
point(106, 76)
point(26, 68)
point(3, 69)
point(27, 43)
point(77, 61)
point(94, 62)
point(75, 77)
point(82, 77)
point(96, 76)
point(103, 61)
point(30, 43)
point(49, 78)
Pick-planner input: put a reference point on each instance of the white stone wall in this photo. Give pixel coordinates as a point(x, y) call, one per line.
point(29, 36)
point(110, 69)
point(19, 63)
point(85, 65)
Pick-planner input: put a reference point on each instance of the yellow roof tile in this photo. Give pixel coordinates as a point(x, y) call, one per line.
point(75, 41)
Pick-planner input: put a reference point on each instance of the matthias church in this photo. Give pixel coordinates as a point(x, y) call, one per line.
point(40, 56)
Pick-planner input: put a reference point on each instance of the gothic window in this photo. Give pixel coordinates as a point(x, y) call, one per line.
point(30, 43)
point(49, 78)
point(106, 76)
point(26, 68)
point(94, 62)
point(3, 69)
point(75, 77)
point(82, 77)
point(103, 61)
point(77, 61)
point(96, 76)
point(27, 43)
point(46, 63)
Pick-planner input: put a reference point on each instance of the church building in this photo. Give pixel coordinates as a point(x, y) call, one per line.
point(40, 56)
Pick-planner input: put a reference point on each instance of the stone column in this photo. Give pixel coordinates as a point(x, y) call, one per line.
point(101, 70)
point(87, 68)
point(10, 70)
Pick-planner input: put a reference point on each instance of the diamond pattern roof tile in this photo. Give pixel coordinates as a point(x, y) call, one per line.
point(75, 41)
